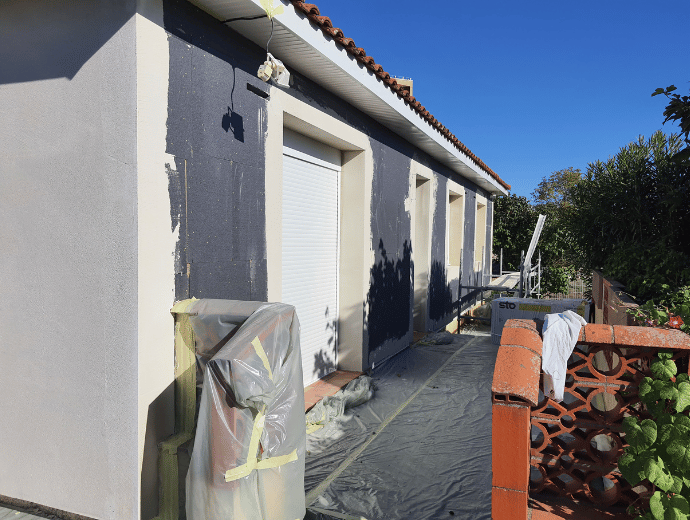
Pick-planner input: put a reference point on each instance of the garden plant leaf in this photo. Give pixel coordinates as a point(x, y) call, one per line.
point(669, 508)
point(639, 435)
point(683, 399)
point(632, 467)
point(664, 369)
point(658, 475)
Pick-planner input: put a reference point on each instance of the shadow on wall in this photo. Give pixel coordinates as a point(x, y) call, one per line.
point(160, 424)
point(324, 359)
point(53, 39)
point(390, 297)
point(231, 119)
point(440, 292)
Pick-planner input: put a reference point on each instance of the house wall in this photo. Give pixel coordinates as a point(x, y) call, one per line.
point(221, 117)
point(216, 135)
point(158, 237)
point(138, 163)
point(355, 256)
point(69, 262)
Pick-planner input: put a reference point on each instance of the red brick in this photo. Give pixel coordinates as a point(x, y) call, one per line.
point(549, 507)
point(520, 324)
point(507, 504)
point(517, 373)
point(510, 446)
point(523, 337)
point(598, 334)
point(650, 337)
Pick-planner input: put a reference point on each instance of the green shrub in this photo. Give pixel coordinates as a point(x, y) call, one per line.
point(630, 217)
point(659, 448)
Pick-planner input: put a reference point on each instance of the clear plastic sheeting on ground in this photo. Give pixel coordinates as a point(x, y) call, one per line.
point(332, 408)
point(437, 338)
point(421, 448)
point(248, 456)
point(314, 513)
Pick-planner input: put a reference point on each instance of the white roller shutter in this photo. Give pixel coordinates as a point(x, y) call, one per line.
point(310, 224)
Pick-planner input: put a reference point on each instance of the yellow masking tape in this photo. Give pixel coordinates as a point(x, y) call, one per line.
point(312, 427)
point(252, 462)
point(262, 355)
point(183, 306)
point(185, 405)
point(248, 467)
point(274, 462)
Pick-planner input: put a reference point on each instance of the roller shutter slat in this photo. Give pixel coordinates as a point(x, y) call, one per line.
point(310, 256)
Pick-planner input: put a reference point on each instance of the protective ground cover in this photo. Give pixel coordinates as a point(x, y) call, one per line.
point(421, 448)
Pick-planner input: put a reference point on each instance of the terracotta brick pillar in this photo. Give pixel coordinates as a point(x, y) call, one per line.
point(515, 389)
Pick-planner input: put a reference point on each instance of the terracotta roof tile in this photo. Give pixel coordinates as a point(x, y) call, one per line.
point(307, 8)
point(324, 22)
point(335, 32)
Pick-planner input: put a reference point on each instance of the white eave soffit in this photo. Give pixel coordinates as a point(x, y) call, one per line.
point(304, 48)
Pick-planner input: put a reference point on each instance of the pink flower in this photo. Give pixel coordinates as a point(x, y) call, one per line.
point(675, 322)
point(649, 323)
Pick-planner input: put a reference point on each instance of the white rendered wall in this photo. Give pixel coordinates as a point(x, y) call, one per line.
point(68, 261)
point(156, 247)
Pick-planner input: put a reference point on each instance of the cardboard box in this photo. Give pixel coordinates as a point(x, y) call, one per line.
point(506, 308)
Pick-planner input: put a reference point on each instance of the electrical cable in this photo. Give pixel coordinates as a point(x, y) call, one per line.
point(244, 18)
point(270, 37)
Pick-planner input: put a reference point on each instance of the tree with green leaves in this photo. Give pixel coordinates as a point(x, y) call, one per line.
point(515, 218)
point(555, 189)
point(678, 109)
point(514, 221)
point(631, 217)
point(552, 198)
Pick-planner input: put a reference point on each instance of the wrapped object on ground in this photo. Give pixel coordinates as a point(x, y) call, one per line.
point(248, 456)
point(330, 408)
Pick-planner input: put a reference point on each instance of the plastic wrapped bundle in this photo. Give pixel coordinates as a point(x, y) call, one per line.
point(248, 456)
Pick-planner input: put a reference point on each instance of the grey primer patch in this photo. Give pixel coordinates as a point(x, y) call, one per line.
point(390, 295)
point(441, 294)
point(215, 132)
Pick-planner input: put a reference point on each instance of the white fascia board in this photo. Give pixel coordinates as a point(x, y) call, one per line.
point(305, 48)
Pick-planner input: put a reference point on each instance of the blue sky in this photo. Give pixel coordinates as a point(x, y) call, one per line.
point(531, 87)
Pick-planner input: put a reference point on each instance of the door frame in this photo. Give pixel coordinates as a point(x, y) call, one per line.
point(356, 255)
